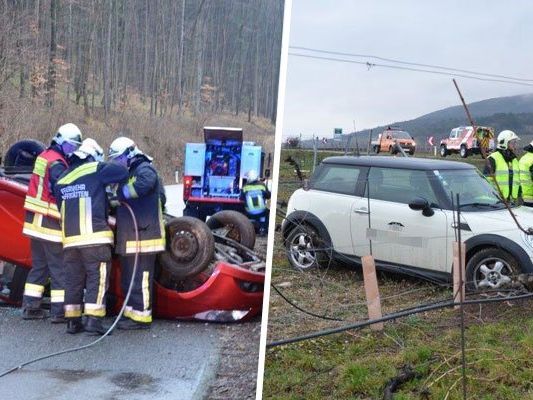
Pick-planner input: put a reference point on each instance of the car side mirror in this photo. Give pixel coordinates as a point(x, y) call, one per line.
point(421, 204)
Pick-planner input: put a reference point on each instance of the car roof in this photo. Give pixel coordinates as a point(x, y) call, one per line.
point(397, 162)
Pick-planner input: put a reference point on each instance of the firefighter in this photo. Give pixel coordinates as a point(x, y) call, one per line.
point(144, 193)
point(502, 166)
point(42, 225)
point(87, 238)
point(526, 175)
point(254, 193)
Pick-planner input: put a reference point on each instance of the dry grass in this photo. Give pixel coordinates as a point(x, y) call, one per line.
point(163, 138)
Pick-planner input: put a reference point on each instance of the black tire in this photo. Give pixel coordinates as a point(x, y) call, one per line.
point(412, 152)
point(443, 151)
point(21, 155)
point(463, 151)
point(491, 278)
point(306, 249)
point(376, 149)
point(233, 225)
point(16, 286)
point(391, 150)
point(190, 248)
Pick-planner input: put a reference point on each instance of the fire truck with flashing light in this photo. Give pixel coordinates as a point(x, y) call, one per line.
point(215, 171)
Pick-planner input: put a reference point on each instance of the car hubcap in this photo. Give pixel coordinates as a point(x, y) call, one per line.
point(184, 246)
point(493, 274)
point(302, 251)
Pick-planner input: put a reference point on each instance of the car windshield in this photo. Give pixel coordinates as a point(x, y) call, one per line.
point(475, 192)
point(401, 135)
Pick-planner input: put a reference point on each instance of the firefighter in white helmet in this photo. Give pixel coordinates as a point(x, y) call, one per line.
point(503, 168)
point(43, 226)
point(144, 193)
point(87, 238)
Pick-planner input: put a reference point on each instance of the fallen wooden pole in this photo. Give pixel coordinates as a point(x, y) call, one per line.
point(458, 273)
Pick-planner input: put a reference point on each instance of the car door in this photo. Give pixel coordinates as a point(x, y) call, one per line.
point(402, 236)
point(334, 197)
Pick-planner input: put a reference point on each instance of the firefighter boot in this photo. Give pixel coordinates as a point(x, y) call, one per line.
point(33, 313)
point(128, 324)
point(93, 326)
point(74, 325)
point(57, 319)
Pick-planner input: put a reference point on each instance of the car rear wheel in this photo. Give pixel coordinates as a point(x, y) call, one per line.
point(305, 249)
point(190, 248)
point(376, 149)
point(490, 268)
point(391, 150)
point(233, 225)
point(443, 151)
point(463, 151)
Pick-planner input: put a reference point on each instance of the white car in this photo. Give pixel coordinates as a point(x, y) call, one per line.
point(404, 217)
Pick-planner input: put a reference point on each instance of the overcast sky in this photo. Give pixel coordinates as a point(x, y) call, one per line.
point(489, 36)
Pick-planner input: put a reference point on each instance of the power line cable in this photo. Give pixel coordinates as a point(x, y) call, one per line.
point(371, 65)
point(410, 63)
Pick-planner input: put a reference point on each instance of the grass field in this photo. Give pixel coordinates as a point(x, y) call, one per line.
point(359, 364)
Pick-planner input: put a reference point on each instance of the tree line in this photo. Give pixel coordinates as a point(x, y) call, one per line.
point(176, 55)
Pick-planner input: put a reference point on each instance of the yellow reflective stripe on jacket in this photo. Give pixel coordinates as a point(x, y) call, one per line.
point(146, 290)
point(57, 296)
point(104, 237)
point(501, 175)
point(41, 207)
point(40, 166)
point(36, 229)
point(525, 164)
point(33, 290)
point(85, 169)
point(72, 310)
point(247, 188)
point(145, 246)
point(131, 188)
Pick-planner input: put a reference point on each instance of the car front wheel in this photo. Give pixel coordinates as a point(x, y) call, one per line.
point(490, 268)
point(443, 151)
point(463, 152)
point(305, 249)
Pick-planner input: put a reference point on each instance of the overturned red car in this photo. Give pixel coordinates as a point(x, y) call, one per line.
point(207, 273)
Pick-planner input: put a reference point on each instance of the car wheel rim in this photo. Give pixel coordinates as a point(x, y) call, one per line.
point(492, 273)
point(184, 246)
point(302, 251)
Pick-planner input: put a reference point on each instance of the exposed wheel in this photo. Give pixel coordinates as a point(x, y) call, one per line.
point(306, 249)
point(391, 149)
point(190, 248)
point(443, 151)
point(490, 268)
point(376, 149)
point(463, 151)
point(233, 225)
point(22, 154)
point(412, 152)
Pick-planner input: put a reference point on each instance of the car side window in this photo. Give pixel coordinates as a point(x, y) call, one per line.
point(400, 185)
point(336, 178)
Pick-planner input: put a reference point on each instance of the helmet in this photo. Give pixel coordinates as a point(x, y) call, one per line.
point(68, 133)
point(89, 147)
point(123, 145)
point(504, 137)
point(251, 176)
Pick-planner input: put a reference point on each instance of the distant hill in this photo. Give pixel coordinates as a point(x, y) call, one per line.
point(514, 112)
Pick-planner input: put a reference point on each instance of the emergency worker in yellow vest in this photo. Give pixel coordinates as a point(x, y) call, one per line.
point(254, 194)
point(502, 166)
point(87, 238)
point(43, 226)
point(526, 175)
point(144, 193)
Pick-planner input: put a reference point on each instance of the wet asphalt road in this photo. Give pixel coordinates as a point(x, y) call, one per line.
point(173, 360)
